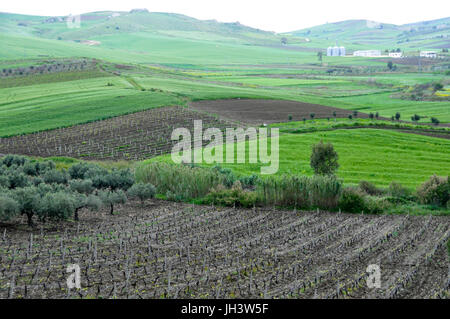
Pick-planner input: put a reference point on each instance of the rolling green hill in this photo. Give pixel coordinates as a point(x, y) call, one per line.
point(107, 23)
point(432, 34)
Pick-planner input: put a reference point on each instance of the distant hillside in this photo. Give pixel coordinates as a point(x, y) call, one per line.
point(427, 34)
point(106, 23)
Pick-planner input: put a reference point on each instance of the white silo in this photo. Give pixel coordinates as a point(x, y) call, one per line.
point(335, 51)
point(342, 51)
point(329, 51)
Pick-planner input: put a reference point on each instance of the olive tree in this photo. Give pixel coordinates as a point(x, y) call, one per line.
point(114, 180)
point(142, 191)
point(324, 159)
point(9, 207)
point(78, 171)
point(91, 202)
point(57, 206)
point(112, 198)
point(82, 186)
point(29, 200)
point(56, 177)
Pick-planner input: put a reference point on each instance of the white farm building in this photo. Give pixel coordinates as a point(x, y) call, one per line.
point(428, 54)
point(395, 54)
point(370, 53)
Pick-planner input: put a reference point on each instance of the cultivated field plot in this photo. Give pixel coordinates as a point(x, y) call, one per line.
point(268, 111)
point(175, 250)
point(136, 136)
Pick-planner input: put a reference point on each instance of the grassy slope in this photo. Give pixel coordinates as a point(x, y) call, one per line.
point(149, 48)
point(103, 23)
point(45, 106)
point(378, 156)
point(363, 34)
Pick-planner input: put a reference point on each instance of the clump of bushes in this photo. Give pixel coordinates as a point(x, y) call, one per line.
point(352, 201)
point(236, 196)
point(369, 188)
point(397, 190)
point(435, 191)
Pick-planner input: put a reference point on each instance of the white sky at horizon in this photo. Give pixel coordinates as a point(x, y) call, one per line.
point(278, 16)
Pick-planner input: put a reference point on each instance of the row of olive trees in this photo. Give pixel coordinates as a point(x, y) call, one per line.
point(33, 188)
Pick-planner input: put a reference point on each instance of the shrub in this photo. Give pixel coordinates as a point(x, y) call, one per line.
point(369, 188)
point(142, 191)
point(228, 176)
point(249, 181)
point(375, 205)
point(435, 121)
point(435, 191)
point(399, 191)
point(352, 201)
point(437, 86)
point(324, 159)
point(236, 196)
point(9, 207)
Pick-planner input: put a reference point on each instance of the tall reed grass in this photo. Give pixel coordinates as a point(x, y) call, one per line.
point(180, 181)
point(300, 191)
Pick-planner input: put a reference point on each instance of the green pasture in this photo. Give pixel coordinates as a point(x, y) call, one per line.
point(32, 108)
point(378, 156)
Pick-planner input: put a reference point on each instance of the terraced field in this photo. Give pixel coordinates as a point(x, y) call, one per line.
point(174, 250)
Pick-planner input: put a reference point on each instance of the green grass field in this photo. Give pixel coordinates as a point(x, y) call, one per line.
point(378, 156)
point(32, 108)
